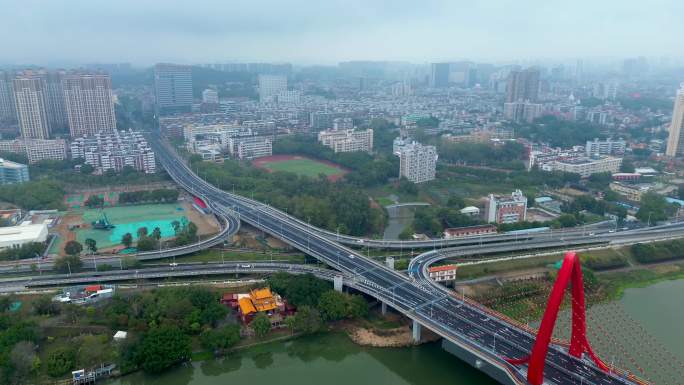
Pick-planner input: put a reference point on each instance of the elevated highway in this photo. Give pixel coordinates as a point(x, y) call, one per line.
point(481, 338)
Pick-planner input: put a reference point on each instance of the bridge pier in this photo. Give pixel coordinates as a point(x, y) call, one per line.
point(416, 332)
point(383, 308)
point(389, 262)
point(338, 282)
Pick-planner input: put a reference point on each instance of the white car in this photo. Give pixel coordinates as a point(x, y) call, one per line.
point(245, 266)
point(351, 256)
point(173, 264)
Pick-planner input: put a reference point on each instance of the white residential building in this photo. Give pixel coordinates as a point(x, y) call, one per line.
point(347, 140)
point(585, 166)
point(605, 147)
point(250, 147)
point(114, 151)
point(417, 163)
point(39, 149)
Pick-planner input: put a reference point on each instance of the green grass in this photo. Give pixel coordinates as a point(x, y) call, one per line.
point(305, 167)
point(213, 255)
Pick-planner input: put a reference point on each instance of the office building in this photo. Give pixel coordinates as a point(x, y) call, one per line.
point(417, 163)
point(506, 209)
point(439, 75)
point(210, 96)
point(31, 104)
point(12, 172)
point(250, 147)
point(523, 86)
point(15, 236)
point(89, 104)
point(675, 145)
point(173, 88)
point(114, 151)
point(270, 86)
point(289, 97)
point(347, 140)
point(605, 147)
point(463, 74)
point(584, 166)
point(8, 110)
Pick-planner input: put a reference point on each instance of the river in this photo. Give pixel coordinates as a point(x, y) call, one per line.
point(329, 359)
point(332, 359)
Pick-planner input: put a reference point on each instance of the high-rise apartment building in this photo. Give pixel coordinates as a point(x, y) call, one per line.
point(89, 103)
point(523, 86)
point(417, 162)
point(675, 146)
point(173, 88)
point(210, 96)
point(522, 111)
point(439, 75)
point(270, 86)
point(8, 110)
point(31, 103)
point(56, 110)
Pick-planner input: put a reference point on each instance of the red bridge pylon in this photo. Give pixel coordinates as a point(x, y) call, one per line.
point(579, 344)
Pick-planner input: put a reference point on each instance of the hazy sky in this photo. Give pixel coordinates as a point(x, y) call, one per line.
point(328, 31)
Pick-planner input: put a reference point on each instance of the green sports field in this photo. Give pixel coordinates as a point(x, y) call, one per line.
point(306, 167)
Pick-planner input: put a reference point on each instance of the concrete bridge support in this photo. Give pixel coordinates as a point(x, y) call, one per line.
point(383, 308)
point(389, 262)
point(338, 282)
point(416, 332)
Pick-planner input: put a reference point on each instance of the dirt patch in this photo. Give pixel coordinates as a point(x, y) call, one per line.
point(398, 337)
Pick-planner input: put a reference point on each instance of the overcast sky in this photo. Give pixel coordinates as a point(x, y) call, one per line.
point(328, 31)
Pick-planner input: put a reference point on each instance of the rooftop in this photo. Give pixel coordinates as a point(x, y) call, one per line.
point(442, 268)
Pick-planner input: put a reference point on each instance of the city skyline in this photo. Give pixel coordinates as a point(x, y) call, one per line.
point(308, 33)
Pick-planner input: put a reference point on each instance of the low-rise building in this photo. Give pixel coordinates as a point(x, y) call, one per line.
point(250, 147)
point(347, 140)
point(469, 231)
point(114, 151)
point(506, 209)
point(470, 211)
point(632, 192)
point(13, 172)
point(443, 273)
point(605, 147)
point(36, 149)
point(15, 236)
point(585, 166)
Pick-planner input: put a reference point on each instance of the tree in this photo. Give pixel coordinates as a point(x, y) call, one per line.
point(406, 234)
point(333, 305)
point(94, 200)
point(357, 307)
point(91, 245)
point(127, 240)
point(73, 248)
point(68, 264)
point(654, 208)
point(146, 244)
point(44, 305)
point(261, 325)
point(162, 348)
point(142, 232)
point(627, 166)
point(223, 338)
point(87, 169)
point(60, 361)
point(156, 233)
point(24, 359)
point(307, 320)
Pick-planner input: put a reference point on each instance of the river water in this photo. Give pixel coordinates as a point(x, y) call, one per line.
point(327, 359)
point(646, 321)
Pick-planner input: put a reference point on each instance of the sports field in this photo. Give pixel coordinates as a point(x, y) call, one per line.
point(300, 165)
point(128, 219)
